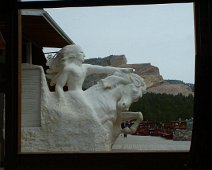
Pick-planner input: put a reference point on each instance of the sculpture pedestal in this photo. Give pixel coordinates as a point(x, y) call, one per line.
point(65, 125)
point(65, 131)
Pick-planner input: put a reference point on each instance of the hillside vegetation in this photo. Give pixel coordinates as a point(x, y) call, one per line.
point(164, 107)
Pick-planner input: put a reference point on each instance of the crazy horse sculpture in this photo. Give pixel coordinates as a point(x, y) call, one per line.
point(112, 99)
point(83, 121)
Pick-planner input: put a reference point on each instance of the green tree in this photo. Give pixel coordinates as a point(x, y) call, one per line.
point(164, 107)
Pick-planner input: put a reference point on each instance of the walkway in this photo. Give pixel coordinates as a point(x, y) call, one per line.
point(135, 143)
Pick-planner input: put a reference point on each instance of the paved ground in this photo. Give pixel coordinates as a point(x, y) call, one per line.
point(149, 144)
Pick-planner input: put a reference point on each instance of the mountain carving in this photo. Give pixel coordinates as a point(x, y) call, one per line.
point(151, 74)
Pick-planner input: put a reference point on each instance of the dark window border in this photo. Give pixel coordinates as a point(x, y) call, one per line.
point(196, 158)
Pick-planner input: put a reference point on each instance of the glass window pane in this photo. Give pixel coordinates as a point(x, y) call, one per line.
point(155, 40)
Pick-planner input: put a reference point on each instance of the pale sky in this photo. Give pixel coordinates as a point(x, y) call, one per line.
point(162, 35)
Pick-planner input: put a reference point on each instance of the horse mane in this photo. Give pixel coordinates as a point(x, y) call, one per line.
point(122, 78)
point(114, 80)
point(138, 81)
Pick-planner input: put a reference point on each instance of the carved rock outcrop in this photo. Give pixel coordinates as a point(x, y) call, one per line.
point(151, 74)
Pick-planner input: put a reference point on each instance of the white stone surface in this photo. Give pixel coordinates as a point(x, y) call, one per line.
point(77, 120)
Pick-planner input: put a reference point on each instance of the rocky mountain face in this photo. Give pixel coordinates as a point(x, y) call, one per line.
point(151, 74)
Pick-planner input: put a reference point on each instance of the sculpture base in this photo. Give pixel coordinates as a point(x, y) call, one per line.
point(66, 125)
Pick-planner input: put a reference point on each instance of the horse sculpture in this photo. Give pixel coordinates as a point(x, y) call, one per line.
point(87, 120)
point(111, 99)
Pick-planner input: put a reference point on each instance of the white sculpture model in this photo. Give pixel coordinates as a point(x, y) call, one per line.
point(68, 68)
point(77, 120)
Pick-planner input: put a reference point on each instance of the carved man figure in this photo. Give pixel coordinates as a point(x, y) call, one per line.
point(67, 68)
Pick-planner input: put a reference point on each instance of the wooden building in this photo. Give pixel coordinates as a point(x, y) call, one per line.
point(39, 30)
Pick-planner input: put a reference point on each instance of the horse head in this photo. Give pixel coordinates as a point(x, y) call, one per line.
point(131, 86)
point(131, 92)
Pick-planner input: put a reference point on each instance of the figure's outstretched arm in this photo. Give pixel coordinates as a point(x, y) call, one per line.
point(96, 69)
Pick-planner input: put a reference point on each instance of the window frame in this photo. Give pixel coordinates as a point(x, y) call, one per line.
point(200, 143)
